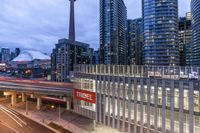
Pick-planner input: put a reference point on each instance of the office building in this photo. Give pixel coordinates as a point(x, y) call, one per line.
point(160, 19)
point(185, 40)
point(113, 17)
point(91, 53)
point(65, 55)
point(5, 55)
point(140, 99)
point(135, 42)
point(3, 67)
point(195, 8)
point(17, 52)
point(0, 57)
point(12, 55)
point(96, 57)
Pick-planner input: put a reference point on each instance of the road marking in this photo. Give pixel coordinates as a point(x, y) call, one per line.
point(8, 111)
point(30, 127)
point(6, 125)
point(11, 117)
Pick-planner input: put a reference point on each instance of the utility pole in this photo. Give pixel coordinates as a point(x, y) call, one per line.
point(26, 104)
point(59, 113)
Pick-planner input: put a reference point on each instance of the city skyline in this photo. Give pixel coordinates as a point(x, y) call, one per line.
point(42, 23)
point(94, 66)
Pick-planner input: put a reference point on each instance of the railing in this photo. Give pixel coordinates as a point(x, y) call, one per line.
point(167, 72)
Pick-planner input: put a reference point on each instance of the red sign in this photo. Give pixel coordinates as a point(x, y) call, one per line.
point(83, 95)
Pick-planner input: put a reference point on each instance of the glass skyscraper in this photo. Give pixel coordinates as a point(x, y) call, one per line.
point(195, 6)
point(113, 18)
point(135, 42)
point(185, 40)
point(160, 32)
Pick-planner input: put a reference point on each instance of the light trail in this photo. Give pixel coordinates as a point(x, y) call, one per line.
point(13, 113)
point(11, 117)
point(6, 125)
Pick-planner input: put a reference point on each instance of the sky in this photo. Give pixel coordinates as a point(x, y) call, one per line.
point(38, 24)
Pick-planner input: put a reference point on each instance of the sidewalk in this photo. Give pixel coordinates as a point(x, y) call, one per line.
point(69, 120)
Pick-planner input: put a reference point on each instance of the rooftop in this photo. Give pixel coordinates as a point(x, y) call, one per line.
point(30, 55)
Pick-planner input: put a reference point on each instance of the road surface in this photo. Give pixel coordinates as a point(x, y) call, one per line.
point(12, 122)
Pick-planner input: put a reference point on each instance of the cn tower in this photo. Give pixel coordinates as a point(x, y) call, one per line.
point(71, 23)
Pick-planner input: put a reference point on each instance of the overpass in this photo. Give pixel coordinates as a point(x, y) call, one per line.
point(36, 89)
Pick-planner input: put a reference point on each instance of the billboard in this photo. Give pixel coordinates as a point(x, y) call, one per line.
point(84, 95)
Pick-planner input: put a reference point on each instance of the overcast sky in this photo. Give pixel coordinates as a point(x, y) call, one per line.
point(38, 24)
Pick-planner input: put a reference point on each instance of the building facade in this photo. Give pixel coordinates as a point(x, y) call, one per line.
point(160, 19)
point(195, 7)
point(17, 52)
point(137, 99)
point(5, 55)
point(135, 42)
point(113, 17)
point(96, 57)
point(65, 55)
point(185, 40)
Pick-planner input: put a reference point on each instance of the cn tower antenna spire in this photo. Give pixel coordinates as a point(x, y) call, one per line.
point(72, 23)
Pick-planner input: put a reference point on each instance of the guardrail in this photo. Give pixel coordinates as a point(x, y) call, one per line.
point(167, 72)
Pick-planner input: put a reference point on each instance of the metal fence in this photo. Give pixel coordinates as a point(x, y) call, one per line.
point(166, 72)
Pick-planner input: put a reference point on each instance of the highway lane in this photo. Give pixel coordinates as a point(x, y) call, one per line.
point(13, 122)
point(36, 86)
point(5, 129)
point(33, 88)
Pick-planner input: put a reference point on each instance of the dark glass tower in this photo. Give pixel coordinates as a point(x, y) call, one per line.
point(195, 6)
point(160, 32)
point(113, 18)
point(185, 40)
point(71, 23)
point(135, 42)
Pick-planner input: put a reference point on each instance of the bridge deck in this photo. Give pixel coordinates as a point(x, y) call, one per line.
point(35, 86)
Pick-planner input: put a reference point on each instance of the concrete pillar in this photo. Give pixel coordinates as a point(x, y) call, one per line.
point(23, 97)
point(32, 96)
point(13, 99)
point(39, 103)
point(67, 103)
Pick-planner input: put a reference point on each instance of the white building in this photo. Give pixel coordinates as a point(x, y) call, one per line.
point(31, 59)
point(140, 99)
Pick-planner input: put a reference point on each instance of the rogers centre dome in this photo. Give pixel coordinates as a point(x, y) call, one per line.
point(30, 55)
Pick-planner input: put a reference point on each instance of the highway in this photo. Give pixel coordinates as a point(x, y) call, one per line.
point(12, 122)
point(35, 86)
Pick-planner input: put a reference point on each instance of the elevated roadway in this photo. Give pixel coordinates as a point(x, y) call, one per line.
point(36, 88)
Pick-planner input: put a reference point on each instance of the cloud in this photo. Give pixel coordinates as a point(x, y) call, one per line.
point(38, 24)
